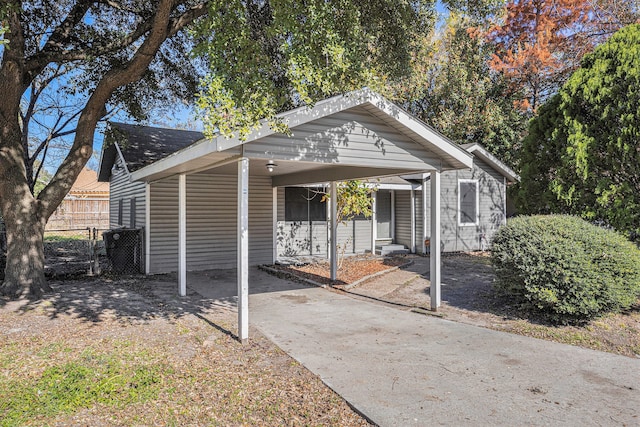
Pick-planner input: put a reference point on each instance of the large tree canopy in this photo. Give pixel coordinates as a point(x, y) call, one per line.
point(586, 141)
point(260, 57)
point(267, 57)
point(541, 42)
point(458, 93)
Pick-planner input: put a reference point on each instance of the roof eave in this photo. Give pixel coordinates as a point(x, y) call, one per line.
point(494, 162)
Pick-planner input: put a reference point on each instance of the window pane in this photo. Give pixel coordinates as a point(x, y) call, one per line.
point(295, 204)
point(468, 208)
point(302, 204)
point(317, 209)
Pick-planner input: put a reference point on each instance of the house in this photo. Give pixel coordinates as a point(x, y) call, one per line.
point(85, 206)
point(217, 203)
point(473, 203)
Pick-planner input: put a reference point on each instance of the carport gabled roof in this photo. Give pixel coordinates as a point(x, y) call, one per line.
point(206, 154)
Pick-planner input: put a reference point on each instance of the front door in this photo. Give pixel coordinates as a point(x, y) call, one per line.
point(383, 214)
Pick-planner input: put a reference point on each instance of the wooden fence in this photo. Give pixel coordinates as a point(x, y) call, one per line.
point(77, 214)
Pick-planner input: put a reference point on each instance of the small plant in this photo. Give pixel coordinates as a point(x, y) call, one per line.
point(564, 268)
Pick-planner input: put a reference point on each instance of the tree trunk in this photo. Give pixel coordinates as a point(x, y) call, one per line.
point(24, 272)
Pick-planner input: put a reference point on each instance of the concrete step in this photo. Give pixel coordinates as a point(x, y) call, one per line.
point(391, 250)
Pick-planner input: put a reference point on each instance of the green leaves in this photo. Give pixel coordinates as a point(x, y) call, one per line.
point(565, 269)
point(267, 57)
point(593, 167)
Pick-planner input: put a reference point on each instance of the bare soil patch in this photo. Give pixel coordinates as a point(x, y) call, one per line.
point(181, 363)
point(353, 268)
point(468, 297)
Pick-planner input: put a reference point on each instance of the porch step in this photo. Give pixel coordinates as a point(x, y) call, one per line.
point(391, 249)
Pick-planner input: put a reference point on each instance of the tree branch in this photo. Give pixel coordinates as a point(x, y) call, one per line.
point(162, 26)
point(40, 60)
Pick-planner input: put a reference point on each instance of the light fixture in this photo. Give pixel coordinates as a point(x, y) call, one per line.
point(271, 166)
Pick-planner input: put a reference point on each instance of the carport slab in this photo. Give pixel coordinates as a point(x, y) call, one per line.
point(402, 368)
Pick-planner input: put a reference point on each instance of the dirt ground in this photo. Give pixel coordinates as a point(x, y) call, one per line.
point(200, 374)
point(468, 297)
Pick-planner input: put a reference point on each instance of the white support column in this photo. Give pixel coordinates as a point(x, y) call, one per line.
point(182, 235)
point(393, 216)
point(333, 199)
point(504, 206)
point(243, 249)
point(435, 266)
point(147, 227)
point(425, 231)
point(412, 249)
point(374, 222)
point(275, 224)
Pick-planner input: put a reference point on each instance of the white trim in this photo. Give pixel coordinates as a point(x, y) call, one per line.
point(182, 235)
point(434, 253)
point(243, 249)
point(504, 170)
point(477, 221)
point(333, 199)
point(147, 227)
point(412, 248)
point(374, 221)
point(424, 216)
point(504, 195)
point(274, 215)
point(124, 163)
point(393, 216)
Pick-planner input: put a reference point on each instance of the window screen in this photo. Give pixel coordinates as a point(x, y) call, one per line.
point(304, 204)
point(468, 202)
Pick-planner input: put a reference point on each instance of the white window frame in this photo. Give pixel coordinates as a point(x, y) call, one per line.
point(477, 221)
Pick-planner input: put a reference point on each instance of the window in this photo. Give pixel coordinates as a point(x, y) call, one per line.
point(120, 206)
point(468, 202)
point(304, 204)
point(132, 212)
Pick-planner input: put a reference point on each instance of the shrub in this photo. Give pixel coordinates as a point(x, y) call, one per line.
point(564, 268)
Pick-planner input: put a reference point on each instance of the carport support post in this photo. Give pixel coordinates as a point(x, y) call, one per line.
point(412, 248)
point(333, 199)
point(434, 288)
point(374, 223)
point(243, 249)
point(182, 235)
point(424, 216)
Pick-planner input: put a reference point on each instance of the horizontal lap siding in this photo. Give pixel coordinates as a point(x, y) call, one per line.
point(120, 188)
point(353, 137)
point(293, 237)
point(403, 218)
point(211, 222)
point(491, 208)
point(419, 222)
point(449, 211)
point(163, 250)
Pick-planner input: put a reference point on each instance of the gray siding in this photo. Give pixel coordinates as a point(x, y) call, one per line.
point(211, 222)
point(353, 137)
point(403, 218)
point(122, 189)
point(456, 238)
point(293, 237)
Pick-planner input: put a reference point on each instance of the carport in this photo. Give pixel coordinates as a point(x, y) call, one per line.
point(353, 136)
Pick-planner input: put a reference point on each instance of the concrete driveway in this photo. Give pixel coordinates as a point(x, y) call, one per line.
point(402, 368)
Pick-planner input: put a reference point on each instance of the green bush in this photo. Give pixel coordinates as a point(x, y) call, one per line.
point(564, 268)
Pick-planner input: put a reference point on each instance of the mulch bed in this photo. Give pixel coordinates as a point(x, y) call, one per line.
point(353, 268)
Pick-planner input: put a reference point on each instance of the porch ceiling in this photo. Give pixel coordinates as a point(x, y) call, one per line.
point(288, 172)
